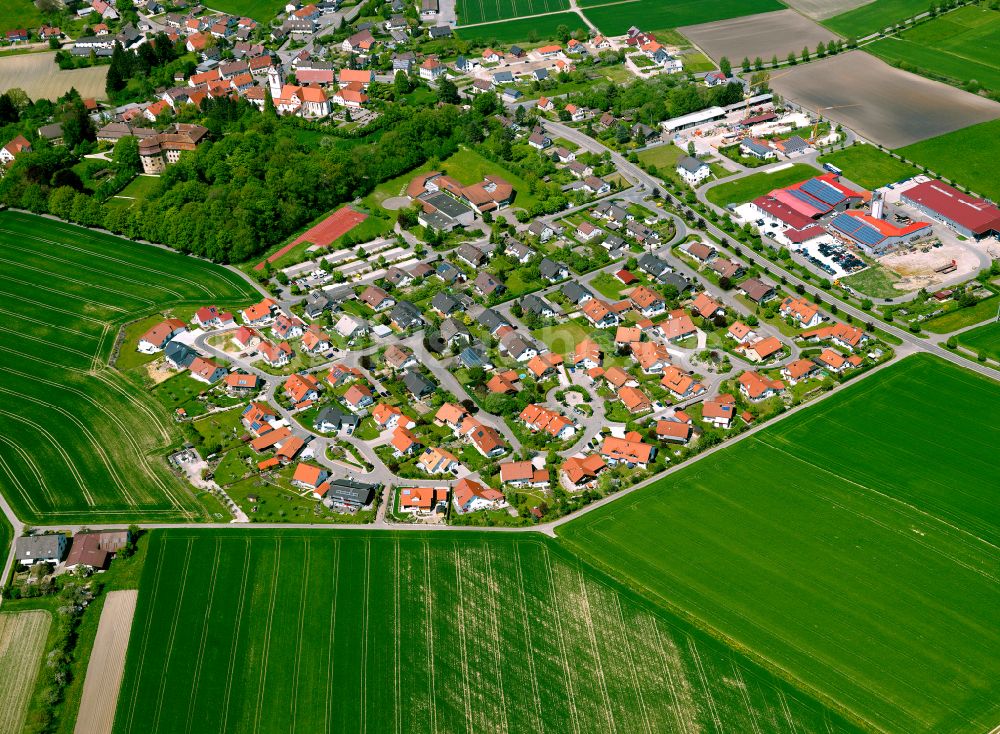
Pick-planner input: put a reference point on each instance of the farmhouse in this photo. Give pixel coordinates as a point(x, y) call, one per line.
point(95, 550)
point(719, 411)
point(40, 549)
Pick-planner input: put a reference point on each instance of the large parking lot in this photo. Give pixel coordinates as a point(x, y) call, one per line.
point(879, 102)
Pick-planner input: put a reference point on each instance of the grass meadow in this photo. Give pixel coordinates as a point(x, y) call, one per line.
point(957, 47)
point(260, 10)
point(486, 11)
point(19, 14)
point(749, 188)
point(983, 339)
point(853, 546)
point(241, 630)
point(873, 17)
point(615, 18)
point(22, 642)
point(868, 166)
point(967, 156)
point(80, 440)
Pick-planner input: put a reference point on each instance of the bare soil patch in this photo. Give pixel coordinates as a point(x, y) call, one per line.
point(917, 268)
point(394, 203)
point(40, 76)
point(881, 103)
point(761, 35)
point(107, 663)
point(159, 371)
point(823, 9)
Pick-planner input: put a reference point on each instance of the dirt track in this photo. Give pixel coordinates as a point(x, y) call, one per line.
point(107, 664)
point(763, 35)
point(881, 103)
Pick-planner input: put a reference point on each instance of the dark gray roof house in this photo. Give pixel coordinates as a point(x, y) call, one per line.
point(418, 385)
point(453, 330)
point(39, 548)
point(474, 356)
point(397, 276)
point(652, 265)
point(444, 303)
point(439, 31)
point(406, 316)
point(179, 355)
point(552, 270)
point(471, 254)
point(575, 292)
point(676, 280)
point(350, 493)
point(447, 272)
point(691, 165)
point(316, 303)
point(332, 418)
point(491, 320)
point(537, 305)
point(487, 285)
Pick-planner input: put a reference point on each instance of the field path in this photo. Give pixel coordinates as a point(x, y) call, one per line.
point(107, 664)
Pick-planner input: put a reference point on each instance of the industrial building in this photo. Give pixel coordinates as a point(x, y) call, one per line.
point(875, 236)
point(967, 215)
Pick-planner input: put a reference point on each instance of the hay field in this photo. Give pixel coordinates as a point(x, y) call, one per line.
point(883, 104)
point(242, 630)
point(22, 642)
point(855, 545)
point(39, 76)
point(106, 664)
point(763, 35)
point(79, 440)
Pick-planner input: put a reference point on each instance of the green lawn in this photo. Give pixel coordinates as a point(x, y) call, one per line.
point(563, 338)
point(868, 166)
point(758, 184)
point(19, 14)
point(468, 167)
point(260, 10)
point(81, 441)
point(850, 545)
point(873, 17)
point(963, 317)
point(244, 630)
point(967, 156)
point(616, 18)
point(140, 187)
point(477, 11)
point(529, 30)
point(662, 156)
point(875, 281)
point(983, 339)
point(957, 47)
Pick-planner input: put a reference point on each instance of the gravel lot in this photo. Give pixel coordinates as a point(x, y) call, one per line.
point(878, 101)
point(761, 35)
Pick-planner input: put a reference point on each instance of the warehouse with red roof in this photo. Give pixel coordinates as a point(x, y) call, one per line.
point(967, 215)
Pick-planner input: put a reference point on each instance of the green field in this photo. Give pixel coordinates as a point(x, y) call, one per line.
point(758, 184)
point(868, 166)
point(338, 631)
point(984, 339)
point(962, 318)
point(138, 189)
point(875, 281)
point(522, 29)
point(873, 17)
point(79, 440)
point(967, 156)
point(662, 156)
point(486, 11)
point(260, 10)
point(655, 15)
point(852, 546)
point(19, 14)
point(957, 47)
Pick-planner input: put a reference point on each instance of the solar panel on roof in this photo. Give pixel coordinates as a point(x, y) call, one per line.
point(820, 206)
point(823, 191)
point(858, 229)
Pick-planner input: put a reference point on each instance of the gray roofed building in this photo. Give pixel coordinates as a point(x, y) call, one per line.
point(794, 144)
point(447, 272)
point(439, 31)
point(179, 355)
point(756, 290)
point(397, 276)
point(487, 285)
point(453, 330)
point(40, 548)
point(52, 132)
point(537, 305)
point(540, 74)
point(406, 316)
point(518, 346)
point(552, 270)
point(418, 385)
point(518, 250)
point(758, 150)
point(444, 303)
point(350, 493)
point(613, 242)
point(676, 280)
point(503, 77)
point(332, 418)
point(471, 254)
point(575, 292)
point(316, 303)
point(475, 356)
point(541, 230)
point(689, 164)
point(654, 266)
point(491, 320)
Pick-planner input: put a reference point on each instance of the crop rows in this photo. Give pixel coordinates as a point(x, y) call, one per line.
point(22, 640)
point(409, 633)
point(77, 438)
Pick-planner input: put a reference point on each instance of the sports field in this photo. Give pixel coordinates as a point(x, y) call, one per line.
point(22, 642)
point(967, 156)
point(853, 545)
point(339, 631)
point(983, 339)
point(873, 17)
point(758, 184)
point(615, 18)
point(487, 11)
point(957, 47)
point(868, 166)
point(79, 440)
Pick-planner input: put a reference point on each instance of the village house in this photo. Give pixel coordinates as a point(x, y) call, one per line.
point(438, 461)
point(762, 349)
point(302, 388)
point(540, 419)
point(423, 500)
point(580, 472)
point(157, 338)
point(805, 314)
point(207, 371)
point(719, 411)
point(523, 474)
point(472, 496)
point(756, 387)
point(673, 431)
point(630, 450)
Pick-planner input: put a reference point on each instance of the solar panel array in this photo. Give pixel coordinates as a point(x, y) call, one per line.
point(817, 204)
point(823, 191)
point(858, 229)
